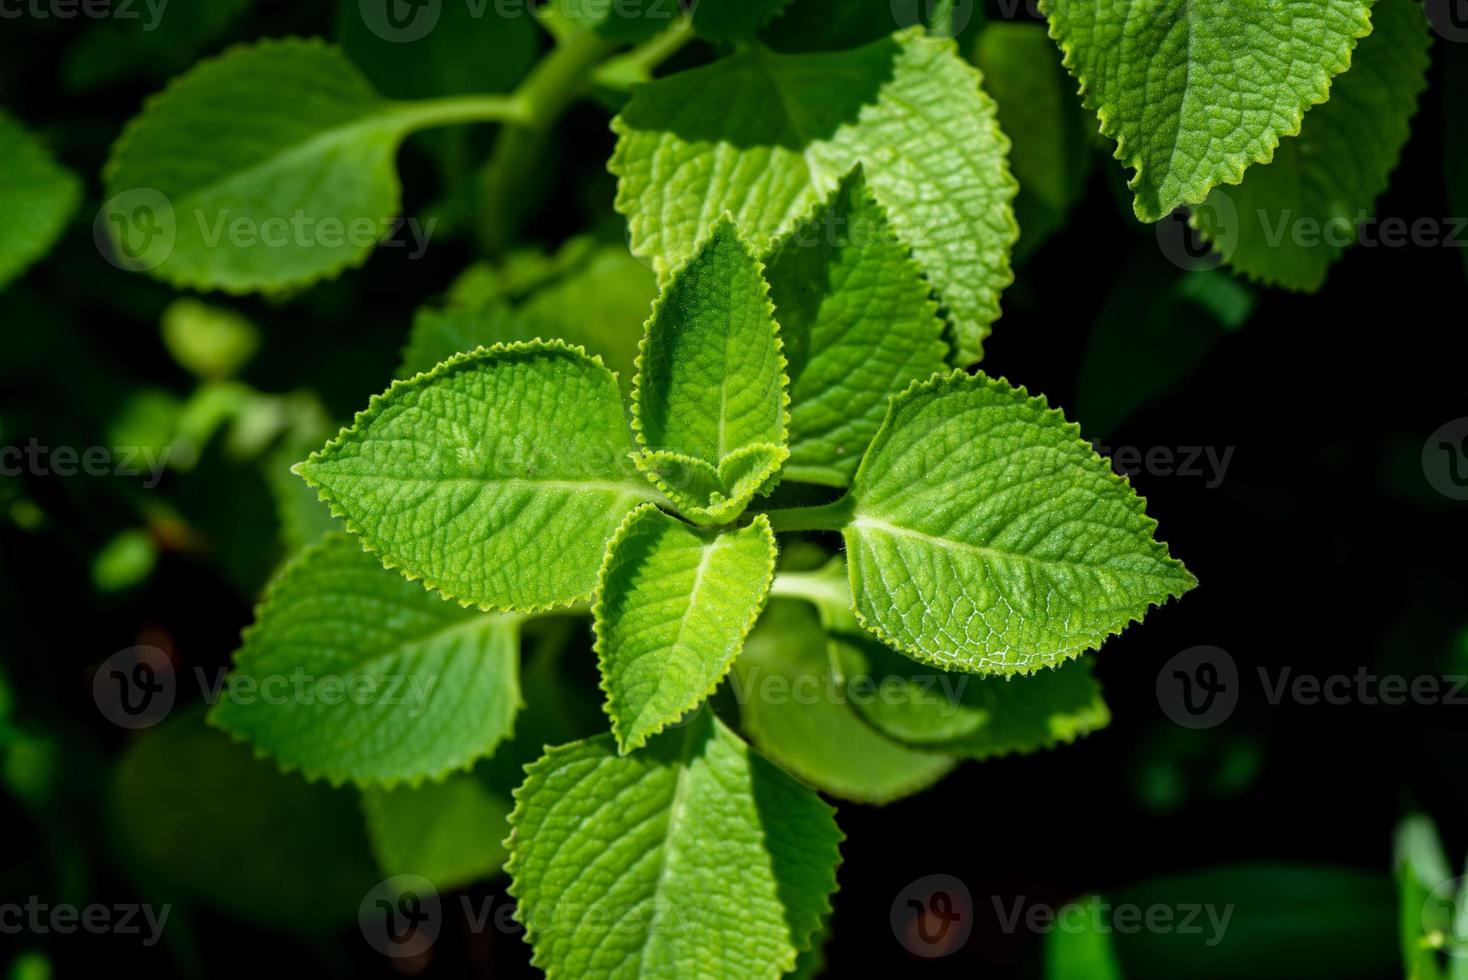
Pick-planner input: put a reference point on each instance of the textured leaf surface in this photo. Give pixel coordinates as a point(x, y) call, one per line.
point(1194, 93)
point(711, 384)
point(988, 537)
point(1287, 222)
point(794, 703)
point(672, 609)
point(356, 674)
point(768, 137)
point(37, 195)
point(858, 324)
point(268, 167)
point(694, 858)
point(970, 715)
point(451, 833)
point(497, 478)
point(278, 852)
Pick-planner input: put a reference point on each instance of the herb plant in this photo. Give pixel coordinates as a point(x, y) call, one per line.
point(790, 475)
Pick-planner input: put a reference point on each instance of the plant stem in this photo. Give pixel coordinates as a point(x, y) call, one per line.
point(464, 109)
point(637, 65)
point(826, 517)
point(818, 588)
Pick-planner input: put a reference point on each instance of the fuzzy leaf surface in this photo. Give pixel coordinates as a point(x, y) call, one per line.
point(672, 609)
point(1195, 93)
point(768, 137)
point(361, 676)
point(987, 537)
point(701, 858)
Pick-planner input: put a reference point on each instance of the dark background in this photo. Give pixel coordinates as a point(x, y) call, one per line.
point(1324, 549)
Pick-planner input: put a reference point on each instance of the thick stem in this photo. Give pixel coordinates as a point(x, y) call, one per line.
point(826, 517)
point(458, 109)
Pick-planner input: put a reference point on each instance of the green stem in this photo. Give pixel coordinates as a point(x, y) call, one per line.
point(638, 65)
point(826, 517)
point(457, 109)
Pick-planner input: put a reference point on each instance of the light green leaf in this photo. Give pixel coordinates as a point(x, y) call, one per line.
point(354, 674)
point(672, 609)
point(439, 334)
point(267, 168)
point(858, 325)
point(37, 196)
point(797, 709)
point(497, 478)
point(210, 341)
point(1422, 870)
point(1286, 223)
point(278, 851)
point(710, 403)
point(724, 20)
point(1084, 953)
point(969, 715)
point(768, 137)
point(693, 859)
point(1195, 93)
point(451, 833)
point(1053, 136)
point(986, 536)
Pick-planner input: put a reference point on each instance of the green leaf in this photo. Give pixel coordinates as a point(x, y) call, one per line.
point(439, 334)
point(265, 169)
point(497, 478)
point(710, 403)
point(795, 704)
point(622, 22)
point(1422, 870)
point(278, 852)
point(968, 715)
point(693, 858)
point(724, 20)
point(1195, 93)
point(210, 341)
point(1084, 953)
point(858, 325)
point(1052, 135)
point(1286, 223)
point(768, 137)
point(672, 609)
point(451, 833)
point(988, 537)
point(37, 195)
point(354, 674)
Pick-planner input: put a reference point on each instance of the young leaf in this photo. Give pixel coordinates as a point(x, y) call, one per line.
point(969, 715)
point(355, 674)
point(709, 404)
point(497, 478)
point(987, 537)
point(1195, 93)
point(694, 857)
point(37, 196)
point(267, 168)
point(1286, 223)
point(797, 709)
point(768, 137)
point(858, 324)
point(451, 833)
point(672, 609)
